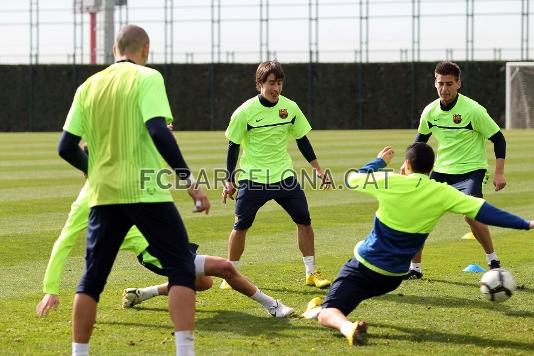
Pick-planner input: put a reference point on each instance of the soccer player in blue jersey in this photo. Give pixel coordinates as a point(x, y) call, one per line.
point(461, 126)
point(409, 206)
point(263, 126)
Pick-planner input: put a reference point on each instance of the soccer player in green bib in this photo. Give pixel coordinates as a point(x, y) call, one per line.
point(263, 126)
point(122, 113)
point(409, 206)
point(461, 127)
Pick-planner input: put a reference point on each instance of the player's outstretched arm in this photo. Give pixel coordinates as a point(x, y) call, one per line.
point(490, 215)
point(75, 224)
point(49, 302)
point(383, 158)
point(386, 154)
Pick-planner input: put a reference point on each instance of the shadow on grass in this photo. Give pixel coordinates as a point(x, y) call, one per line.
point(456, 283)
point(443, 301)
point(454, 302)
point(521, 288)
point(428, 335)
point(310, 291)
point(152, 309)
point(247, 324)
point(230, 322)
point(150, 325)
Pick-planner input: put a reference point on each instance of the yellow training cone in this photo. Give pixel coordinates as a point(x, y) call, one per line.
point(468, 236)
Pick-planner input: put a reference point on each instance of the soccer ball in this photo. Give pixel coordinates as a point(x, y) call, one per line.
point(497, 285)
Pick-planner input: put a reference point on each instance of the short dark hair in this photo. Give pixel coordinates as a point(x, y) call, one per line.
point(131, 38)
point(421, 156)
point(448, 68)
point(267, 68)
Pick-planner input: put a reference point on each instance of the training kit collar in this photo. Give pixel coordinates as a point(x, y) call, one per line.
point(125, 60)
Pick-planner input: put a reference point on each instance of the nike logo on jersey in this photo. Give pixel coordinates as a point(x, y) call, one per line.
point(258, 120)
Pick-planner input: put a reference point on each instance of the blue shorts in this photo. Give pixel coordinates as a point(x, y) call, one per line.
point(355, 283)
point(251, 196)
point(469, 183)
point(159, 223)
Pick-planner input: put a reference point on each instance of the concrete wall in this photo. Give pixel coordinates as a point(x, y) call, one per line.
point(203, 96)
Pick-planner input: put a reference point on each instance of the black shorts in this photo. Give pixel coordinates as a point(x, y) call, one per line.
point(469, 183)
point(159, 223)
point(153, 264)
point(251, 196)
point(355, 283)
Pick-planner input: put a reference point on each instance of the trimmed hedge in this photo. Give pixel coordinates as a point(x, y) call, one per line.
point(332, 95)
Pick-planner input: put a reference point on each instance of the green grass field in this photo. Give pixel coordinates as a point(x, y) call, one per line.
point(442, 314)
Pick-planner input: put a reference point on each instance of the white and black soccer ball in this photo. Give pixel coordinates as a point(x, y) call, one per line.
point(497, 285)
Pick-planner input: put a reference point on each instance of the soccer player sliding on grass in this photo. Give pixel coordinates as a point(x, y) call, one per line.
point(409, 207)
point(205, 266)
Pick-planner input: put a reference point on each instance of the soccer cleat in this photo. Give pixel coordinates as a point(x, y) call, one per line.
point(225, 285)
point(316, 280)
point(413, 274)
point(313, 309)
point(279, 310)
point(131, 297)
point(359, 334)
point(494, 264)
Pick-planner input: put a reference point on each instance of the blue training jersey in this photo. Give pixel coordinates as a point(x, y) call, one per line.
point(409, 208)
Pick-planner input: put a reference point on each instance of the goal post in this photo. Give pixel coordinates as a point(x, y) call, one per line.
point(519, 95)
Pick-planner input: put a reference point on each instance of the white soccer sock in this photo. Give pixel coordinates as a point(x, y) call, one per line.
point(263, 299)
point(79, 349)
point(309, 263)
point(491, 256)
point(346, 328)
point(416, 267)
point(148, 292)
point(185, 343)
point(313, 313)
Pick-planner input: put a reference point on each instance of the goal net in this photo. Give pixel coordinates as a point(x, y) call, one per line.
point(519, 95)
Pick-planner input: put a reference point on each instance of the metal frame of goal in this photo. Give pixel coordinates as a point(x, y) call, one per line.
point(519, 95)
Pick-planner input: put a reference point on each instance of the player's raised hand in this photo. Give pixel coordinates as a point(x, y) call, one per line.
point(228, 191)
point(49, 301)
point(499, 182)
point(386, 154)
point(531, 224)
point(200, 199)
